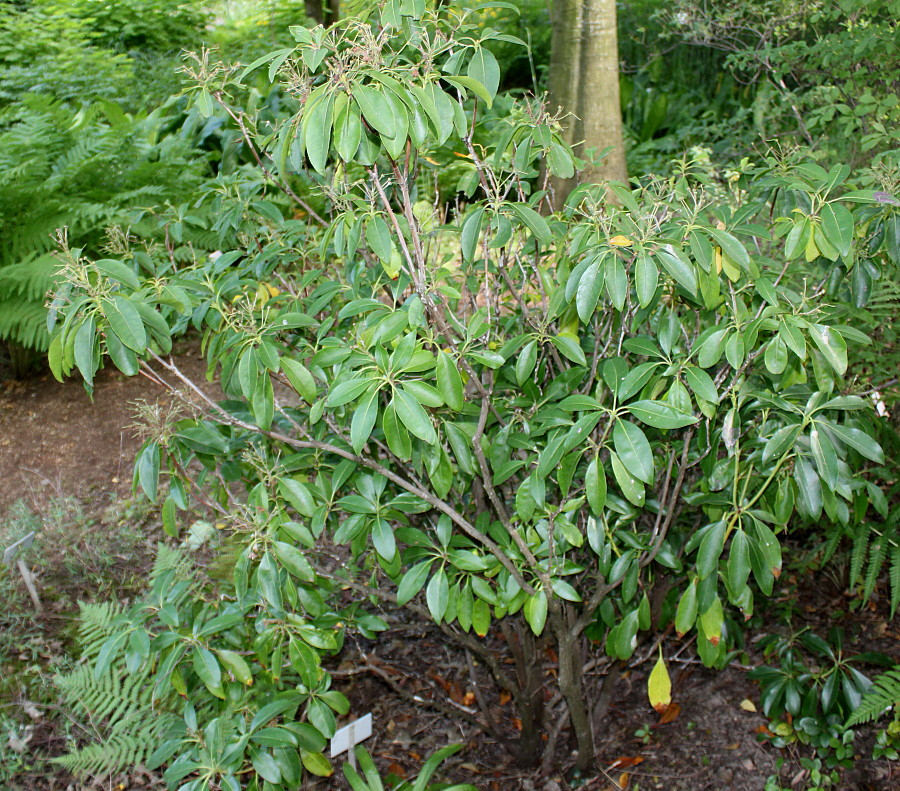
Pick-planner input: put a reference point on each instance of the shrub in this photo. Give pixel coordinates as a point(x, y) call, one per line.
point(578, 427)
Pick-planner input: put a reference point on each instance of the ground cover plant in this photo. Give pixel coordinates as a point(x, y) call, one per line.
point(573, 428)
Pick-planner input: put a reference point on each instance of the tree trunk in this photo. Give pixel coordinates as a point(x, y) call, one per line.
point(598, 98)
point(334, 12)
point(584, 83)
point(315, 11)
point(565, 70)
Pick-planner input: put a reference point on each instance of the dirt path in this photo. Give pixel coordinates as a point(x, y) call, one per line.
point(54, 440)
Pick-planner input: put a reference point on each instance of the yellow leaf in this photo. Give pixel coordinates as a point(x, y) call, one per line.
point(621, 241)
point(659, 686)
point(747, 705)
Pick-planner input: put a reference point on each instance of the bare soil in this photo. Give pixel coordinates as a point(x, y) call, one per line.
point(55, 441)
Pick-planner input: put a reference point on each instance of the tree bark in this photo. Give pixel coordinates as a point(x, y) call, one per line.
point(333, 12)
point(315, 11)
point(565, 70)
point(598, 98)
point(584, 84)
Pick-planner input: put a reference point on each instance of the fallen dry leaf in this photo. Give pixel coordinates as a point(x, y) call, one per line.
point(670, 714)
point(747, 705)
point(626, 761)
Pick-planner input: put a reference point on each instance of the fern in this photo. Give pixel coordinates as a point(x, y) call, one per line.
point(118, 704)
point(883, 694)
point(86, 172)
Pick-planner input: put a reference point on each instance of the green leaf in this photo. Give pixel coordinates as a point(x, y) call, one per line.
point(681, 272)
point(449, 381)
point(412, 581)
point(731, 247)
point(484, 67)
point(535, 612)
point(207, 668)
point(525, 362)
point(469, 84)
point(660, 415)
point(776, 357)
point(634, 450)
point(85, 350)
point(809, 487)
point(437, 595)
point(470, 233)
point(121, 273)
point(383, 539)
point(294, 561)
point(701, 383)
point(316, 764)
point(738, 561)
point(348, 131)
point(825, 457)
point(646, 279)
point(411, 415)
point(616, 282)
point(236, 664)
point(317, 132)
point(861, 442)
point(595, 486)
point(711, 549)
point(631, 487)
point(535, 223)
point(147, 468)
point(686, 614)
point(298, 495)
point(588, 292)
point(347, 391)
point(364, 418)
point(170, 525)
point(267, 581)
point(832, 346)
point(710, 349)
point(570, 348)
point(375, 109)
point(837, 225)
point(300, 378)
point(378, 237)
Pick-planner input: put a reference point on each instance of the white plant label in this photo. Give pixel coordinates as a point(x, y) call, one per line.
point(350, 735)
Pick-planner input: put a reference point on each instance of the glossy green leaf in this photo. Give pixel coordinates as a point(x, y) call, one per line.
point(659, 415)
point(414, 417)
point(348, 131)
point(206, 666)
point(535, 612)
point(294, 561)
point(701, 384)
point(449, 381)
point(484, 67)
point(588, 292)
point(595, 485)
point(437, 594)
point(363, 421)
point(711, 550)
point(832, 345)
point(631, 487)
point(686, 613)
point(375, 109)
point(646, 279)
point(837, 225)
point(634, 450)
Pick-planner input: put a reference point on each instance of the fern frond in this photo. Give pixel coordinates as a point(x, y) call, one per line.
point(895, 579)
point(858, 554)
point(882, 695)
point(877, 553)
